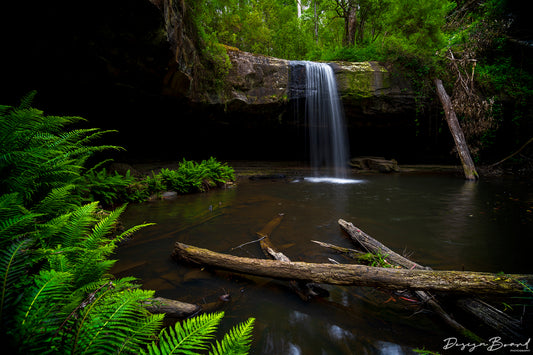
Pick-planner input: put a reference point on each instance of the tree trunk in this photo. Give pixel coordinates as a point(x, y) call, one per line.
point(457, 133)
point(358, 275)
point(350, 25)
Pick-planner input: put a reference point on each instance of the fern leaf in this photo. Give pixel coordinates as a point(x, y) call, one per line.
point(186, 338)
point(236, 341)
point(13, 265)
point(132, 230)
point(142, 334)
point(27, 100)
point(102, 228)
point(110, 322)
point(42, 311)
point(56, 201)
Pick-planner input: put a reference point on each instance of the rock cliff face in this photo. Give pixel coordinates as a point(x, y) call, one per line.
point(366, 88)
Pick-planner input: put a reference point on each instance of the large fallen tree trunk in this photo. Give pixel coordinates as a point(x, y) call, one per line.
point(494, 318)
point(360, 275)
point(457, 133)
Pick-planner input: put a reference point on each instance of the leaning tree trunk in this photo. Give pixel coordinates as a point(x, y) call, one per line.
point(359, 275)
point(457, 133)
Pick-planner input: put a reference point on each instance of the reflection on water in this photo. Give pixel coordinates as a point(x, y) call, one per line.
point(441, 221)
point(333, 180)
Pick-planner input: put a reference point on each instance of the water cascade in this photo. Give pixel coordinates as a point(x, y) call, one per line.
point(324, 116)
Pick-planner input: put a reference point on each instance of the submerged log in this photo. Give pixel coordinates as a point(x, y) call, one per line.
point(499, 321)
point(358, 275)
point(305, 290)
point(171, 308)
point(457, 133)
point(178, 309)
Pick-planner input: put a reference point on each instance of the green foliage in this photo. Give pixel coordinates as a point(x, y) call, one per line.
point(36, 155)
point(188, 177)
point(108, 188)
point(237, 341)
point(56, 294)
point(191, 176)
point(192, 334)
point(196, 333)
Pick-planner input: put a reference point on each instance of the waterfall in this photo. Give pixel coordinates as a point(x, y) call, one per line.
point(324, 117)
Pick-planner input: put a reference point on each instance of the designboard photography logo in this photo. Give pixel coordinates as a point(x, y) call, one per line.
point(492, 345)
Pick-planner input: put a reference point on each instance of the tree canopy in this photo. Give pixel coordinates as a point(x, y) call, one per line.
point(300, 29)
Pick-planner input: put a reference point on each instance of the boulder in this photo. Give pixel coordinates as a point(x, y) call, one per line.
point(378, 164)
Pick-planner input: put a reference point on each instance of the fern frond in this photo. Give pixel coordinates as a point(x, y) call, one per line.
point(132, 230)
point(110, 321)
point(27, 100)
point(14, 262)
point(186, 338)
point(56, 201)
point(102, 228)
point(42, 311)
point(51, 288)
point(237, 341)
point(80, 222)
point(142, 334)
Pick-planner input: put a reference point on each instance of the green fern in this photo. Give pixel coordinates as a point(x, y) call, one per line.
point(56, 295)
point(187, 337)
point(194, 335)
point(14, 262)
point(42, 310)
point(236, 341)
point(112, 319)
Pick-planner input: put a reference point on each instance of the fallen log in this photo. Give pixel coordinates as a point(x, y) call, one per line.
point(423, 296)
point(178, 309)
point(504, 324)
point(171, 308)
point(373, 246)
point(467, 282)
point(306, 291)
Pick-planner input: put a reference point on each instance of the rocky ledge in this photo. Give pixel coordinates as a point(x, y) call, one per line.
point(366, 88)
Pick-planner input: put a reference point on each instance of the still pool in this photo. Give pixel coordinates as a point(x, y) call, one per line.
point(440, 221)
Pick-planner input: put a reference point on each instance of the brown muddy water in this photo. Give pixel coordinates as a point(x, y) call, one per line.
point(441, 220)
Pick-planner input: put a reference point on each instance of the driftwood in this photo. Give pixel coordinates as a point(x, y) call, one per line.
point(512, 155)
point(178, 309)
point(171, 308)
point(457, 133)
point(358, 275)
point(499, 321)
point(305, 290)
